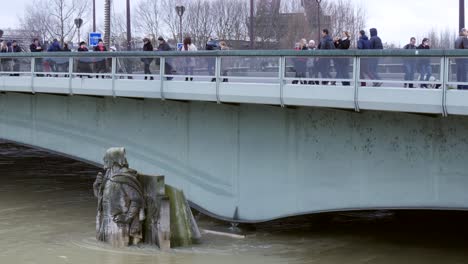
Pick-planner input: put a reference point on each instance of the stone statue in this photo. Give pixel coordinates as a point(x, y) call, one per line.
point(120, 211)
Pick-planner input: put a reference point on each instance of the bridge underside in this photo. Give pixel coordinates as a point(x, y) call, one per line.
point(267, 162)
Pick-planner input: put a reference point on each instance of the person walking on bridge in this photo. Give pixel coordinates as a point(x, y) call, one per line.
point(375, 44)
point(84, 63)
point(163, 46)
point(147, 46)
point(16, 62)
point(326, 43)
point(364, 44)
point(342, 64)
point(101, 63)
point(462, 64)
point(410, 63)
point(425, 69)
point(36, 47)
point(189, 63)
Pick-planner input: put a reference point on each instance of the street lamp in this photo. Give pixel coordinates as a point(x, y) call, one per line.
point(129, 27)
point(252, 41)
point(462, 14)
point(78, 24)
point(318, 18)
point(180, 12)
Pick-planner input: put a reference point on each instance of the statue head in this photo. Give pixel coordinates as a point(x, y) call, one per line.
point(115, 156)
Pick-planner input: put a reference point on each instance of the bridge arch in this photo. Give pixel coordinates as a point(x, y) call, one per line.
point(264, 162)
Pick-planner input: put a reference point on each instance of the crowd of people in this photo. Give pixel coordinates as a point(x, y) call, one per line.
point(322, 67)
point(310, 68)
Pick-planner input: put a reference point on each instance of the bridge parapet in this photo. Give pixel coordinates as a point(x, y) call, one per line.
point(354, 79)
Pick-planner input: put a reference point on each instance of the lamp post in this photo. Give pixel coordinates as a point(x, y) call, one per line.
point(94, 15)
point(1, 33)
point(180, 12)
point(129, 27)
point(318, 18)
point(252, 41)
point(462, 14)
point(78, 24)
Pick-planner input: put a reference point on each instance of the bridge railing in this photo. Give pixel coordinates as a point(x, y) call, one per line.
point(425, 81)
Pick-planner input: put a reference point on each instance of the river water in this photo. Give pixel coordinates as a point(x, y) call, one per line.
point(47, 215)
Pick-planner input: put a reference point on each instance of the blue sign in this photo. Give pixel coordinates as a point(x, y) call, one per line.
point(94, 38)
point(179, 46)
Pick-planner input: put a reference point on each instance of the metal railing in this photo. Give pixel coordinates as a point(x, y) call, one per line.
point(352, 70)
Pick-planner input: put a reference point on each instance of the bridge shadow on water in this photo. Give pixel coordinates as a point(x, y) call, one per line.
point(47, 197)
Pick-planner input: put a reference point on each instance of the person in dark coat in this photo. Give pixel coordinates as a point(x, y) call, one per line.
point(364, 44)
point(64, 65)
point(300, 63)
point(16, 62)
point(147, 46)
point(375, 44)
point(36, 47)
point(410, 63)
point(163, 46)
point(326, 43)
point(54, 47)
point(84, 63)
point(100, 65)
point(342, 64)
point(462, 64)
point(425, 69)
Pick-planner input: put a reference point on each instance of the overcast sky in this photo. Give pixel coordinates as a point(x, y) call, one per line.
point(396, 20)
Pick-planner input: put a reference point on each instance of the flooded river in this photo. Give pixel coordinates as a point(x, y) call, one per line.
point(47, 215)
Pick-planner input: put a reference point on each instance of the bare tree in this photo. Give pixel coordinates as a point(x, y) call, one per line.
point(55, 18)
point(443, 39)
point(149, 17)
point(199, 21)
point(170, 18)
point(346, 16)
point(229, 18)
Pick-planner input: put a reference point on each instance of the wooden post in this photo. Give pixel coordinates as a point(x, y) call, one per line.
point(181, 233)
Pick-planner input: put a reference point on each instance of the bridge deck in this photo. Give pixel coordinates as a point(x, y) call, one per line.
point(258, 77)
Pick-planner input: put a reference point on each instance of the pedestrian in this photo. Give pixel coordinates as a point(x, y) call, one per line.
point(326, 43)
point(375, 44)
point(224, 46)
point(189, 63)
point(425, 69)
point(342, 64)
point(16, 62)
point(147, 46)
point(6, 62)
point(100, 64)
point(364, 44)
point(163, 46)
point(84, 63)
point(36, 47)
point(312, 68)
point(64, 64)
point(409, 63)
point(211, 44)
point(53, 62)
point(300, 63)
point(462, 63)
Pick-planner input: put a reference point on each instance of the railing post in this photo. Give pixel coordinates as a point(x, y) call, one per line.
point(282, 70)
point(162, 68)
point(113, 72)
point(70, 75)
point(356, 78)
point(444, 72)
point(33, 69)
point(218, 77)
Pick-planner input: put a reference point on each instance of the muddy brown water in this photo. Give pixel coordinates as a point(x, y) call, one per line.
point(47, 212)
